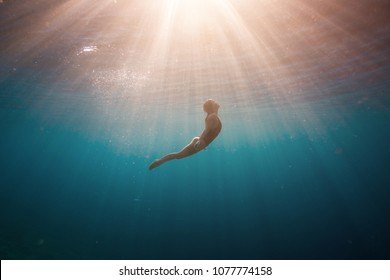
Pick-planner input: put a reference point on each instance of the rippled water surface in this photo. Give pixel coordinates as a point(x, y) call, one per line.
point(91, 92)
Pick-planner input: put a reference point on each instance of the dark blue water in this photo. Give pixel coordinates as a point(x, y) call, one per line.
point(91, 94)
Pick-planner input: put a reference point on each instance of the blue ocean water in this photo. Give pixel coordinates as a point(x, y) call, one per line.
point(92, 93)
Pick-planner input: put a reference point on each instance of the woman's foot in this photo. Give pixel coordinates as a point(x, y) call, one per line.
point(155, 164)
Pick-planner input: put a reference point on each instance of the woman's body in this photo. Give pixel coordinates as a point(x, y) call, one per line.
point(213, 126)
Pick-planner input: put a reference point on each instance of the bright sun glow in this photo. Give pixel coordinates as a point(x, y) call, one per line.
point(194, 13)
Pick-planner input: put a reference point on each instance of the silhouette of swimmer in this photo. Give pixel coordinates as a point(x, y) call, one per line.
point(213, 126)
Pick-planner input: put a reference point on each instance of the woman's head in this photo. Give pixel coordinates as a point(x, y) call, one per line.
point(210, 106)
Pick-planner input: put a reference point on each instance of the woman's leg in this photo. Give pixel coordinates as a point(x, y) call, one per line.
point(185, 152)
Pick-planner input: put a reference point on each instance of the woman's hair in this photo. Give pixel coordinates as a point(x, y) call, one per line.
point(210, 106)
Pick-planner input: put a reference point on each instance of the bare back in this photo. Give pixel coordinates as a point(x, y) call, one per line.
point(213, 127)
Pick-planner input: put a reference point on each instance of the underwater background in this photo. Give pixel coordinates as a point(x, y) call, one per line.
point(91, 92)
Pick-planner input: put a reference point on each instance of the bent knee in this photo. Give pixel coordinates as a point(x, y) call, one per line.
point(200, 145)
point(195, 140)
